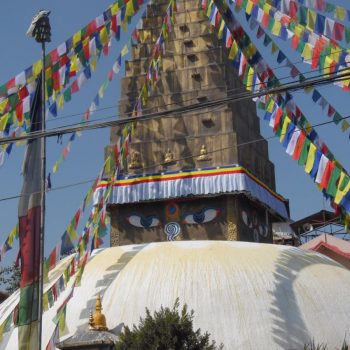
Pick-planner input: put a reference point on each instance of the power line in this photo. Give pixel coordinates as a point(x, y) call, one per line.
point(177, 111)
point(195, 98)
point(178, 159)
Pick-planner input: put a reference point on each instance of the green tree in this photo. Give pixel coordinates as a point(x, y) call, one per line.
point(166, 329)
point(10, 277)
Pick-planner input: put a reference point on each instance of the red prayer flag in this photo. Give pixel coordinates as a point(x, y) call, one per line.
point(29, 213)
point(278, 118)
point(327, 174)
point(19, 112)
point(299, 146)
point(23, 92)
point(54, 56)
point(338, 31)
point(91, 28)
point(293, 9)
point(265, 20)
point(86, 51)
point(295, 42)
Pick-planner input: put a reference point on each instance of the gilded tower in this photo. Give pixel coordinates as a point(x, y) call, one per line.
point(194, 174)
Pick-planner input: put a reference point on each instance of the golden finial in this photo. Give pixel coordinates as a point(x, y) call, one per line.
point(99, 319)
point(135, 160)
point(203, 154)
point(169, 157)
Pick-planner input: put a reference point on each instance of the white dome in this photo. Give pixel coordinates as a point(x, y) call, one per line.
point(246, 295)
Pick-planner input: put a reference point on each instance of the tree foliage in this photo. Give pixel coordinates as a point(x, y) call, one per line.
point(166, 329)
point(10, 277)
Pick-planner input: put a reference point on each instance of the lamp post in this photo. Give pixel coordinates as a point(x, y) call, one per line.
point(40, 30)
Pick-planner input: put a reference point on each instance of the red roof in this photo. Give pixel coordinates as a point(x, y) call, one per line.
point(326, 244)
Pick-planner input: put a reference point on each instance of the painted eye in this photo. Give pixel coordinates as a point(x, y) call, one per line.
point(143, 221)
point(201, 217)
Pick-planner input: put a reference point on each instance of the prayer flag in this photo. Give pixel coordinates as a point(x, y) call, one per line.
point(29, 213)
point(310, 158)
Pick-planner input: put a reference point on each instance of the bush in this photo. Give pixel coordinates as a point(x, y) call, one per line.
point(167, 329)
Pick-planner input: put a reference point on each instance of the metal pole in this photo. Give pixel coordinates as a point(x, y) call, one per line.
point(42, 200)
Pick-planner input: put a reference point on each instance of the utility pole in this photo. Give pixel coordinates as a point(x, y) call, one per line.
point(40, 30)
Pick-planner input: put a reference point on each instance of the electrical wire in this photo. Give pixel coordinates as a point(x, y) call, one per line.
point(180, 110)
point(176, 160)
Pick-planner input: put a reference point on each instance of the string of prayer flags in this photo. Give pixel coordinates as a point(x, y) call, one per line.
point(321, 52)
point(78, 54)
point(316, 161)
point(306, 14)
point(317, 97)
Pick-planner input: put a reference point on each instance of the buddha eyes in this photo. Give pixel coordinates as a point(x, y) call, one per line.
point(202, 217)
point(143, 221)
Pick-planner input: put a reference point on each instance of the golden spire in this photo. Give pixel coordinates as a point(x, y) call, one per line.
point(98, 321)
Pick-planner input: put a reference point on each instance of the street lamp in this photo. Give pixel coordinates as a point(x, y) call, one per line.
point(40, 30)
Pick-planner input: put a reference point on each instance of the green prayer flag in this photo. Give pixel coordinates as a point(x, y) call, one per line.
point(67, 95)
point(347, 34)
point(337, 118)
point(13, 100)
point(303, 15)
point(329, 7)
point(271, 23)
point(267, 40)
point(28, 296)
point(49, 89)
point(304, 152)
point(332, 184)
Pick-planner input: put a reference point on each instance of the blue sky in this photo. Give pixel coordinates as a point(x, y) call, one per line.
point(86, 156)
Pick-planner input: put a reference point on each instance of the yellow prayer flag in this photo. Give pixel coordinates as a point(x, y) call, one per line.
point(114, 9)
point(311, 19)
point(327, 66)
point(60, 102)
point(233, 50)
point(249, 85)
point(345, 125)
point(3, 105)
point(270, 105)
point(129, 11)
point(125, 50)
point(76, 38)
point(285, 125)
point(3, 121)
point(307, 52)
point(267, 8)
point(74, 63)
point(310, 158)
point(37, 66)
point(335, 54)
point(104, 35)
point(249, 7)
point(72, 233)
point(276, 28)
point(55, 168)
point(299, 30)
point(93, 64)
point(221, 29)
point(341, 189)
point(340, 13)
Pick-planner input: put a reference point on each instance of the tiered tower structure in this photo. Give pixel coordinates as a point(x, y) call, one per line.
point(210, 178)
